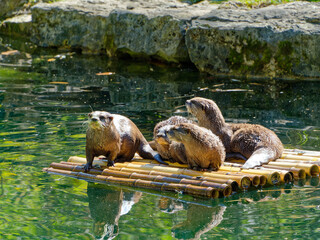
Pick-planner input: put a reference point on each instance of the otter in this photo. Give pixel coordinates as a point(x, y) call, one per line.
point(170, 150)
point(117, 138)
point(204, 150)
point(255, 142)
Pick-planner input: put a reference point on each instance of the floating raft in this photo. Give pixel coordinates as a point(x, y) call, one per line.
point(294, 164)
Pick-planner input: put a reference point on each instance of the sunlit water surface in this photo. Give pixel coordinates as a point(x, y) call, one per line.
point(45, 96)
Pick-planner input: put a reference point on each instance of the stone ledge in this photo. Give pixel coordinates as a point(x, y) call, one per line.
point(272, 42)
point(20, 25)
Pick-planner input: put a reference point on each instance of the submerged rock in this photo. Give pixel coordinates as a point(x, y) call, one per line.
point(274, 42)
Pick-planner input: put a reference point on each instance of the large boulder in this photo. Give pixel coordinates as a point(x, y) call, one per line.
point(277, 41)
point(138, 28)
point(8, 7)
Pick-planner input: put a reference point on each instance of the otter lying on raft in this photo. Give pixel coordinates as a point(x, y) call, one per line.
point(169, 150)
point(203, 149)
point(175, 151)
point(177, 139)
point(117, 138)
point(257, 143)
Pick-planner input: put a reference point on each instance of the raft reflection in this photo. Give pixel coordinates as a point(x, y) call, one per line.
point(199, 219)
point(191, 217)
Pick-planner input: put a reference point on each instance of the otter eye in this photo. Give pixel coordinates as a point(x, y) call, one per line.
point(202, 107)
point(101, 118)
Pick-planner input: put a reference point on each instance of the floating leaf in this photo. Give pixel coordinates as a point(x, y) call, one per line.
point(105, 73)
point(11, 52)
point(58, 82)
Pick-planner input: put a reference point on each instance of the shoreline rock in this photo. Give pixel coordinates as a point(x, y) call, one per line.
point(278, 41)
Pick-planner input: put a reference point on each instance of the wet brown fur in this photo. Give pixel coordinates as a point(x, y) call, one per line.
point(250, 140)
point(115, 137)
point(169, 150)
point(204, 150)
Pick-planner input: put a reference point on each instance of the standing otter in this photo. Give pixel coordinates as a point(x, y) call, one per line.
point(115, 137)
point(169, 150)
point(257, 143)
point(204, 150)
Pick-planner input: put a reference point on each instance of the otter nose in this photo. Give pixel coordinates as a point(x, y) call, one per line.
point(159, 135)
point(94, 119)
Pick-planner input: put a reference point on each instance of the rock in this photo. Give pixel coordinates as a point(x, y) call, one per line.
point(138, 28)
point(276, 42)
point(20, 25)
point(8, 7)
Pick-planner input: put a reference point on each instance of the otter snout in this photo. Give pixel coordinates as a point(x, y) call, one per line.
point(189, 106)
point(162, 138)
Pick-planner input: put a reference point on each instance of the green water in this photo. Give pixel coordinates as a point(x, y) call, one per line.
point(43, 109)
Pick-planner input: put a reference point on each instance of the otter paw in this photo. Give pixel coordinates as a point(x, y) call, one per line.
point(110, 163)
point(87, 167)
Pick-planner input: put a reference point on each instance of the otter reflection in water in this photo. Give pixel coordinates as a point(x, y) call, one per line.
point(199, 218)
point(106, 206)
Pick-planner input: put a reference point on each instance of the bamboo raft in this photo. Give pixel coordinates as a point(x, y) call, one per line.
point(294, 164)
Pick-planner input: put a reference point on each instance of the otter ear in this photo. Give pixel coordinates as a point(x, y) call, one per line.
point(110, 118)
point(89, 115)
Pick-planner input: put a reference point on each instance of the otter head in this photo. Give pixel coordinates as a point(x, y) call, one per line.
point(178, 132)
point(99, 119)
point(206, 111)
point(162, 137)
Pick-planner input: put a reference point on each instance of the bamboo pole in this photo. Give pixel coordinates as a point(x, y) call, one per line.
point(255, 180)
point(82, 160)
point(285, 175)
point(243, 181)
point(299, 157)
point(187, 188)
point(273, 177)
point(296, 172)
point(234, 185)
point(297, 161)
point(311, 169)
point(224, 189)
point(263, 180)
point(302, 152)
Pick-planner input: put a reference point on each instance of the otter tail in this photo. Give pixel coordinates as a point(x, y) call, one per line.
point(145, 151)
point(259, 157)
